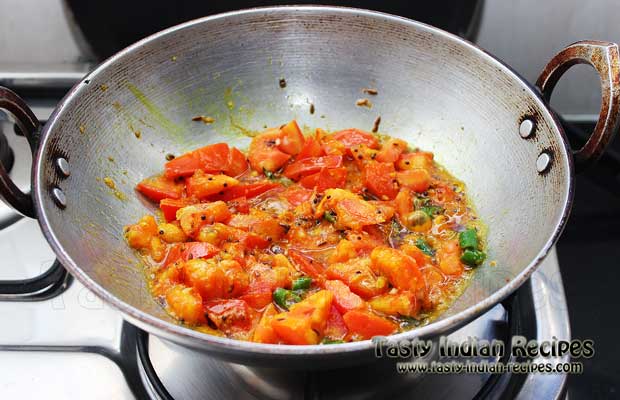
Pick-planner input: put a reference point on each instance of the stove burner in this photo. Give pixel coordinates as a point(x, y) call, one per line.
point(142, 344)
point(6, 154)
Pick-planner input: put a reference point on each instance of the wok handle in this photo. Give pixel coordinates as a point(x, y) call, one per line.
point(29, 125)
point(605, 59)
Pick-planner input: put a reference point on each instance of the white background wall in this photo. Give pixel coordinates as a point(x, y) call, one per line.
point(527, 33)
point(523, 33)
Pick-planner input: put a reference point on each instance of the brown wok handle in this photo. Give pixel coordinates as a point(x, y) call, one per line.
point(605, 59)
point(29, 126)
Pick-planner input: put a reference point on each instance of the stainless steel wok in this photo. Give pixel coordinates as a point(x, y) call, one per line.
point(483, 121)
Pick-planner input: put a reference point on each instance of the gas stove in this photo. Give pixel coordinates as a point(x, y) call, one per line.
point(60, 341)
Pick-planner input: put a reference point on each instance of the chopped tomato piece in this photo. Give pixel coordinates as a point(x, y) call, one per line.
point(362, 155)
point(326, 179)
point(269, 229)
point(237, 163)
point(193, 217)
point(358, 276)
point(310, 181)
point(216, 280)
point(308, 166)
point(416, 160)
point(169, 207)
point(396, 304)
point(190, 250)
point(202, 185)
point(265, 154)
point(254, 241)
point(384, 208)
point(316, 308)
point(186, 304)
point(169, 277)
point(366, 324)
point(292, 138)
point(391, 150)
point(268, 278)
point(403, 204)
point(417, 254)
point(332, 147)
point(311, 148)
point(417, 180)
point(171, 233)
point(356, 213)
point(345, 250)
point(434, 284)
point(297, 195)
point(240, 205)
point(350, 137)
point(350, 210)
point(400, 269)
point(380, 179)
point(159, 187)
point(335, 328)
point(344, 299)
point(449, 256)
point(139, 235)
point(308, 266)
point(261, 224)
point(257, 300)
point(364, 242)
point(294, 329)
point(361, 237)
point(249, 191)
point(264, 333)
point(230, 315)
point(442, 193)
point(263, 281)
point(210, 159)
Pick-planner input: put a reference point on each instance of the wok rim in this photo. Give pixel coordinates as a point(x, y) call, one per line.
point(201, 341)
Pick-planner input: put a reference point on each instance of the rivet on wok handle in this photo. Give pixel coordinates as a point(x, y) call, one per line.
point(605, 59)
point(63, 167)
point(59, 197)
point(526, 128)
point(29, 126)
point(543, 162)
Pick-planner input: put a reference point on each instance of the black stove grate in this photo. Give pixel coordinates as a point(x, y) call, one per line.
point(42, 287)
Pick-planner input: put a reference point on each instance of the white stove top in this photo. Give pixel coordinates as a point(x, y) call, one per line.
point(72, 345)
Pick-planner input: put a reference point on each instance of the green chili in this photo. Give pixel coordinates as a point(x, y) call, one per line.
point(332, 341)
point(468, 239)
point(473, 258)
point(425, 247)
point(285, 298)
point(279, 297)
point(329, 216)
point(270, 175)
point(302, 283)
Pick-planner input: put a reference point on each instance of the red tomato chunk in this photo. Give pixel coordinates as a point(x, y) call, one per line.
point(303, 240)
